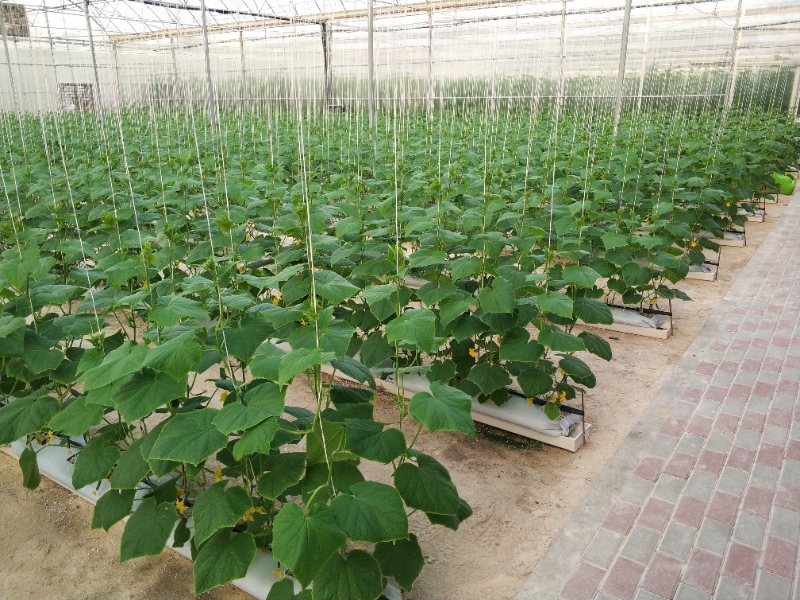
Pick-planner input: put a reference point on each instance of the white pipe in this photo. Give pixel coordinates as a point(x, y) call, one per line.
point(430, 61)
point(370, 65)
point(644, 60)
point(737, 35)
point(209, 83)
point(98, 94)
point(623, 57)
point(793, 103)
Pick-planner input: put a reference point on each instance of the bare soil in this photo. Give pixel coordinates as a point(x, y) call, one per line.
point(521, 494)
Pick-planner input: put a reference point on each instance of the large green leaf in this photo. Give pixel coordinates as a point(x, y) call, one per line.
point(578, 370)
point(118, 363)
point(333, 287)
point(498, 298)
point(559, 341)
point(189, 437)
point(9, 325)
point(581, 276)
point(593, 311)
point(170, 310)
point(489, 377)
point(368, 439)
point(356, 577)
point(112, 507)
point(131, 468)
point(427, 486)
point(443, 409)
point(282, 471)
point(144, 392)
point(372, 512)
point(304, 542)
point(147, 531)
point(77, 418)
point(299, 361)
point(596, 345)
point(225, 557)
point(353, 368)
point(39, 354)
point(555, 303)
point(257, 439)
point(24, 416)
point(94, 462)
point(401, 559)
point(260, 403)
point(415, 328)
point(218, 507)
point(284, 590)
point(175, 357)
point(534, 382)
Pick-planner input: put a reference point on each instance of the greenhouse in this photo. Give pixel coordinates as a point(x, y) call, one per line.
point(274, 273)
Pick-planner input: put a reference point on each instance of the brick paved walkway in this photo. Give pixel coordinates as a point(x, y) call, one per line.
point(703, 499)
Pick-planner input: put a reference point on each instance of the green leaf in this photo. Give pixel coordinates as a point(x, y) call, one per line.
point(131, 468)
point(261, 402)
point(452, 308)
point(24, 416)
point(426, 257)
point(51, 295)
point(145, 392)
point(559, 341)
point(593, 311)
point(375, 350)
point(256, 440)
point(465, 266)
point(38, 355)
point(352, 368)
point(578, 370)
point(147, 531)
point(112, 507)
point(534, 382)
point(401, 559)
point(555, 303)
point(333, 287)
point(77, 418)
point(304, 542)
point(583, 277)
point(372, 512)
point(218, 507)
point(357, 577)
point(596, 345)
point(498, 298)
point(443, 409)
point(94, 462)
point(415, 328)
point(520, 351)
point(634, 275)
point(489, 377)
point(368, 439)
point(614, 240)
point(171, 310)
point(225, 557)
point(118, 363)
point(284, 590)
point(427, 486)
point(242, 338)
point(175, 357)
point(299, 361)
point(452, 521)
point(30, 469)
point(189, 437)
point(9, 325)
point(282, 471)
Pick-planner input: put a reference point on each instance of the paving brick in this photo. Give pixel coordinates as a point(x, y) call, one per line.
point(785, 524)
point(691, 395)
point(689, 511)
point(655, 514)
point(758, 501)
point(790, 473)
point(788, 496)
point(663, 446)
point(623, 579)
point(739, 392)
point(636, 490)
point(747, 438)
point(583, 584)
point(719, 441)
point(772, 364)
point(716, 393)
point(674, 427)
point(690, 443)
point(621, 517)
point(741, 458)
point(714, 536)
point(700, 485)
point(726, 423)
point(642, 594)
point(780, 417)
point(669, 487)
point(750, 530)
point(770, 455)
point(706, 368)
point(762, 389)
point(677, 540)
point(723, 507)
point(792, 450)
point(779, 557)
point(679, 464)
point(732, 481)
point(687, 592)
point(649, 468)
point(772, 587)
point(662, 575)
point(730, 589)
point(640, 545)
point(702, 570)
point(775, 435)
point(753, 420)
point(711, 461)
point(700, 425)
point(786, 386)
point(603, 548)
point(741, 563)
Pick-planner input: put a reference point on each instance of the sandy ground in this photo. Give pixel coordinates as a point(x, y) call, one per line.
point(521, 494)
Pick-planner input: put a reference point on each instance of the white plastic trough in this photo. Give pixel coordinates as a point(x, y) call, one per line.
point(54, 464)
point(710, 275)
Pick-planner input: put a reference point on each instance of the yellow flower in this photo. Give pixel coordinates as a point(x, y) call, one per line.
point(180, 506)
point(297, 242)
point(563, 396)
point(180, 491)
point(530, 401)
point(561, 371)
point(218, 474)
point(499, 339)
point(303, 322)
point(278, 573)
point(223, 396)
point(242, 269)
point(69, 451)
point(51, 436)
point(473, 353)
point(277, 298)
point(647, 222)
point(248, 237)
point(653, 301)
point(145, 283)
point(248, 516)
point(693, 244)
point(727, 204)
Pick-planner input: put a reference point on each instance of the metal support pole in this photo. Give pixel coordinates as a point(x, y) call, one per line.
point(12, 81)
point(562, 56)
point(98, 93)
point(793, 103)
point(119, 94)
point(430, 61)
point(209, 83)
point(176, 84)
point(326, 58)
point(623, 57)
point(644, 60)
point(370, 65)
point(243, 87)
point(737, 36)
